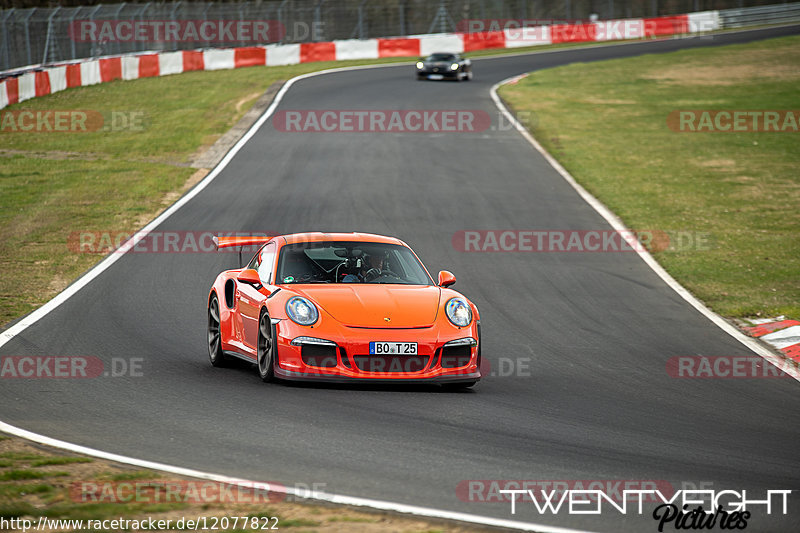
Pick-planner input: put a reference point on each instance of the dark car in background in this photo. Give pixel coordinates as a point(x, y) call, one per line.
point(443, 65)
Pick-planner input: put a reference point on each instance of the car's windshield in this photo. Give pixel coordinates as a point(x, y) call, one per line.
point(350, 262)
point(441, 57)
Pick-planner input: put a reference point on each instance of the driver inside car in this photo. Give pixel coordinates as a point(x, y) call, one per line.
point(371, 269)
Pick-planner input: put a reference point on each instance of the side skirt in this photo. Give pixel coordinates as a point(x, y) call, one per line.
point(241, 356)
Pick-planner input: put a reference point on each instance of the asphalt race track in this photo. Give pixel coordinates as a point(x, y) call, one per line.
point(588, 335)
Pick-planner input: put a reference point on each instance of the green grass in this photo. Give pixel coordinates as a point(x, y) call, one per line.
point(17, 491)
point(354, 519)
point(606, 123)
point(85, 511)
point(17, 509)
point(60, 461)
point(131, 476)
point(20, 456)
point(16, 475)
point(297, 522)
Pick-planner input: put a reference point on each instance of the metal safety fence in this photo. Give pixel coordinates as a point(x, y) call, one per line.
point(753, 16)
point(42, 35)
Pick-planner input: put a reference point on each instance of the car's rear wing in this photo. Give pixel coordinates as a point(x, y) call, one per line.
point(240, 241)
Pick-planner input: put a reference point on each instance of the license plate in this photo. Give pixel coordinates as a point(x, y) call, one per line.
point(392, 348)
point(435, 77)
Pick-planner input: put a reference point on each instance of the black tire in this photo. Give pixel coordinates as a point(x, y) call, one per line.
point(214, 338)
point(266, 348)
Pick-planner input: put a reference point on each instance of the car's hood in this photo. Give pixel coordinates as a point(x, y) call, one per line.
point(369, 306)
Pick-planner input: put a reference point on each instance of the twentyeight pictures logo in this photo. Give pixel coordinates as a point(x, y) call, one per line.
point(595, 500)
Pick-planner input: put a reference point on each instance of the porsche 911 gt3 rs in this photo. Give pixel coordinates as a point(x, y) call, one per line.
point(342, 307)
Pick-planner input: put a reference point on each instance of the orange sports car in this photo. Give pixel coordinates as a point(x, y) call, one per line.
point(342, 307)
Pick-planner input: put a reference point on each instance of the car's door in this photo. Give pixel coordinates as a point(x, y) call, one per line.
point(250, 297)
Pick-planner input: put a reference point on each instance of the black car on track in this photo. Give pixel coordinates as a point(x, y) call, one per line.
point(441, 66)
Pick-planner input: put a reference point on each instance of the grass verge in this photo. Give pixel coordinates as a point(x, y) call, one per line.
point(729, 200)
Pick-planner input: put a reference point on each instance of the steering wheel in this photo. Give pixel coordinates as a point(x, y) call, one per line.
point(374, 273)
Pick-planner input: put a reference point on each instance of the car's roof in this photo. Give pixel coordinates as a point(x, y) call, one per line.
point(351, 237)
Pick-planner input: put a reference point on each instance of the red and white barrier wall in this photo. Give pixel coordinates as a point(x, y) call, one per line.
point(130, 67)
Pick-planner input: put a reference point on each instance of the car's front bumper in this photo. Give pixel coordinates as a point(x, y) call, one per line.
point(444, 73)
point(347, 358)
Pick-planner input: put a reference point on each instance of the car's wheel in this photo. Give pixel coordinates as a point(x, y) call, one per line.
point(469, 76)
point(214, 338)
point(266, 348)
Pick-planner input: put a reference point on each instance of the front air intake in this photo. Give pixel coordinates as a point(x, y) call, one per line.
point(456, 356)
point(318, 355)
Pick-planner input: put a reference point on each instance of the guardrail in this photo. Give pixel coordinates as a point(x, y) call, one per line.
point(754, 16)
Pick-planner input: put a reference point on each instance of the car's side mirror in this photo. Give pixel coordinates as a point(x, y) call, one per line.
point(250, 276)
point(446, 278)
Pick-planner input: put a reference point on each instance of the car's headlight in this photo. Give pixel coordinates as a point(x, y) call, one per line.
point(420, 64)
point(302, 311)
point(454, 66)
point(458, 312)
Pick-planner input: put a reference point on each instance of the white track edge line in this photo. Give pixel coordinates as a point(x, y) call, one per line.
point(618, 225)
point(303, 494)
point(112, 258)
